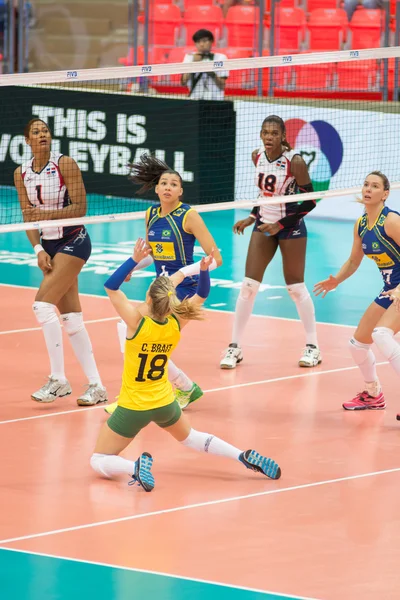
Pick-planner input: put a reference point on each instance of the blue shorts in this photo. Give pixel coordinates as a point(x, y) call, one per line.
point(187, 288)
point(77, 243)
point(288, 233)
point(384, 301)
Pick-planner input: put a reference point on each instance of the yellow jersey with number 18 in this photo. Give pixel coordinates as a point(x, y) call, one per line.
point(145, 383)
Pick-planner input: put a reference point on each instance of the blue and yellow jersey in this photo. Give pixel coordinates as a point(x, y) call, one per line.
point(382, 249)
point(171, 244)
point(145, 383)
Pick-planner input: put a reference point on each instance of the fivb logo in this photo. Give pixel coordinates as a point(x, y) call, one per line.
point(218, 64)
point(287, 59)
point(72, 74)
point(146, 69)
point(354, 54)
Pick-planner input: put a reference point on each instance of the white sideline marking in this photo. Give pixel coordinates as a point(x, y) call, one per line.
point(159, 573)
point(166, 511)
point(220, 389)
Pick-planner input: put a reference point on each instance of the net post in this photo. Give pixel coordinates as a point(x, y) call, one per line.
point(11, 36)
point(133, 14)
point(396, 60)
point(144, 84)
point(260, 44)
point(272, 47)
point(21, 35)
point(386, 6)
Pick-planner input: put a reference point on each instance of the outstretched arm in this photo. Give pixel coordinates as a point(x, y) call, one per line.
point(129, 313)
point(203, 286)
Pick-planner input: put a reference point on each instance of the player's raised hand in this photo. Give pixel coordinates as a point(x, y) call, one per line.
point(394, 295)
point(141, 250)
point(206, 261)
point(240, 226)
point(323, 287)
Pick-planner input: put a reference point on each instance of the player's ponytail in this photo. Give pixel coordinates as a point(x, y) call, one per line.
point(165, 302)
point(147, 172)
point(278, 121)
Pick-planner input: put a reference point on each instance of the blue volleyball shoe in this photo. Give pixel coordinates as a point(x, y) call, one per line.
point(252, 460)
point(143, 475)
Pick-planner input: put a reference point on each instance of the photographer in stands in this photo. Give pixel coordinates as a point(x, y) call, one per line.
point(205, 86)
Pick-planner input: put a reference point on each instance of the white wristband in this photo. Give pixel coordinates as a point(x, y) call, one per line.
point(38, 248)
point(194, 269)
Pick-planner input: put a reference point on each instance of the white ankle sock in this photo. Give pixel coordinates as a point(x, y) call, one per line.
point(204, 442)
point(178, 378)
point(47, 318)
point(384, 339)
point(80, 341)
point(305, 309)
point(365, 360)
point(244, 308)
point(110, 465)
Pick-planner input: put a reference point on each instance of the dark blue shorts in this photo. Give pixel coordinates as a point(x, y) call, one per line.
point(288, 233)
point(187, 288)
point(76, 244)
point(384, 301)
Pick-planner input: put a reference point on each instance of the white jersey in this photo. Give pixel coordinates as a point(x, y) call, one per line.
point(47, 191)
point(274, 178)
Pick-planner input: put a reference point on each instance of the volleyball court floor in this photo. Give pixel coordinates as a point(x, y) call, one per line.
point(328, 529)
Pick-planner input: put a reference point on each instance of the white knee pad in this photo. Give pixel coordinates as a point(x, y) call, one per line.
point(298, 292)
point(249, 288)
point(381, 332)
point(122, 331)
point(383, 337)
point(96, 462)
point(44, 312)
point(72, 322)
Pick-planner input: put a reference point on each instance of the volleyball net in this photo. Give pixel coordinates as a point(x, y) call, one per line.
point(106, 119)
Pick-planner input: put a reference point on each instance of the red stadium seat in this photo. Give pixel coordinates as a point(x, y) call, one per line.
point(326, 29)
point(314, 77)
point(242, 23)
point(190, 3)
point(358, 76)
point(239, 79)
point(315, 4)
point(366, 28)
point(203, 17)
point(165, 21)
point(289, 29)
point(155, 56)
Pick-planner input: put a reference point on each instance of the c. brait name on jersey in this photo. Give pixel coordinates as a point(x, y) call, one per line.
point(156, 348)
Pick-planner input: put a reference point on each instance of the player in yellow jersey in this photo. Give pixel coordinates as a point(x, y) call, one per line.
point(146, 393)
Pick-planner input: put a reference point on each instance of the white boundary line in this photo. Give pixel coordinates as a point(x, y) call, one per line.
point(211, 391)
point(166, 511)
point(159, 573)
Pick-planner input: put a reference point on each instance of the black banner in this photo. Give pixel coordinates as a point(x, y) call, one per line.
point(103, 132)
